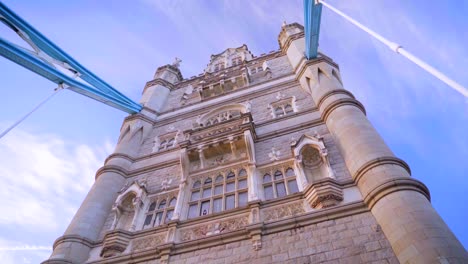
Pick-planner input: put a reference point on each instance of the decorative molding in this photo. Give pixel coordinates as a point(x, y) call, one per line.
point(323, 194)
point(74, 238)
point(283, 211)
point(334, 92)
point(388, 160)
point(341, 102)
point(395, 185)
point(115, 243)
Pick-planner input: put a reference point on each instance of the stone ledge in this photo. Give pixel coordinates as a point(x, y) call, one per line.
point(331, 93)
point(395, 185)
point(341, 102)
point(377, 162)
point(74, 238)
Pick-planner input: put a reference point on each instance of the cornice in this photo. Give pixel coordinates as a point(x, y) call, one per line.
point(161, 82)
point(74, 238)
point(131, 173)
point(119, 155)
point(334, 92)
point(140, 117)
point(388, 160)
point(288, 130)
point(289, 40)
point(341, 102)
point(396, 185)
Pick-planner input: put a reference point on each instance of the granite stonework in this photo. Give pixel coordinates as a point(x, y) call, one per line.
point(262, 159)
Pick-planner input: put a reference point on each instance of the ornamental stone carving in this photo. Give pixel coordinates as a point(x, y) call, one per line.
point(148, 242)
point(283, 211)
point(324, 194)
point(214, 228)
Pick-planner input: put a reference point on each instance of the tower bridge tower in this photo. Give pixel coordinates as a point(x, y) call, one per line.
point(260, 159)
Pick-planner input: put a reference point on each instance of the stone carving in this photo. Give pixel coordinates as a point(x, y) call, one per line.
point(283, 211)
point(214, 228)
point(112, 250)
point(165, 184)
point(176, 62)
point(311, 157)
point(257, 244)
point(332, 199)
point(147, 242)
point(280, 96)
point(274, 154)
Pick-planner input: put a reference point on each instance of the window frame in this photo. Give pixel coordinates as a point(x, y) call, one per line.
point(237, 191)
point(273, 182)
point(169, 206)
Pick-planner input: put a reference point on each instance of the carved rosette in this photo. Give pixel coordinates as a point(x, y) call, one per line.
point(214, 228)
point(148, 242)
point(323, 194)
point(283, 211)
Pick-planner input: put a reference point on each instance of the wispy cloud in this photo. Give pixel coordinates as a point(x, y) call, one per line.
point(44, 179)
point(26, 248)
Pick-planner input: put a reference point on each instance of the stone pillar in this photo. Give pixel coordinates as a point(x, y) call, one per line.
point(253, 183)
point(302, 181)
point(399, 203)
point(84, 229)
point(201, 156)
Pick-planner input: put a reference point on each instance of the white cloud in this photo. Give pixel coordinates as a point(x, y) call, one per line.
point(44, 180)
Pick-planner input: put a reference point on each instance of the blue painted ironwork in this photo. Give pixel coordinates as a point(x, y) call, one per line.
point(98, 89)
point(312, 15)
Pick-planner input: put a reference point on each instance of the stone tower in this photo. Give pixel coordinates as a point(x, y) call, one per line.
point(262, 159)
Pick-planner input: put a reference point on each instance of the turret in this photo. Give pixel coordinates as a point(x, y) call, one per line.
point(157, 91)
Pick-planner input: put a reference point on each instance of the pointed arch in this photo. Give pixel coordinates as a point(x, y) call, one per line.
point(222, 113)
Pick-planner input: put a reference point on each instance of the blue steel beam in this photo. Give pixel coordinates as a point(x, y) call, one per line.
point(100, 90)
point(312, 15)
point(38, 66)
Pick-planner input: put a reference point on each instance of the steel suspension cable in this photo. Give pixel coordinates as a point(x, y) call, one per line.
point(56, 90)
point(399, 49)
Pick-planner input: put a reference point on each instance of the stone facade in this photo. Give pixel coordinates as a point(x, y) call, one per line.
point(262, 159)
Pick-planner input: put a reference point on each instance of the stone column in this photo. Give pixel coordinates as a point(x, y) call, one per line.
point(253, 183)
point(201, 156)
point(302, 181)
point(399, 203)
point(232, 144)
point(84, 229)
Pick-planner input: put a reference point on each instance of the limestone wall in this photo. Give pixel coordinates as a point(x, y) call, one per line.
point(352, 239)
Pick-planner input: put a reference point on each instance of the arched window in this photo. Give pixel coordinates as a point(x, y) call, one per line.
point(280, 186)
point(279, 111)
point(162, 145)
point(170, 143)
point(242, 172)
point(166, 143)
point(224, 193)
point(162, 215)
point(152, 207)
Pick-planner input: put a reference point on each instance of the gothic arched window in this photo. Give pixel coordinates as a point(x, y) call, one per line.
point(280, 185)
point(224, 193)
point(161, 215)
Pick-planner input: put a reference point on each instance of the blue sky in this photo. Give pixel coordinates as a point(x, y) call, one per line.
point(48, 163)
